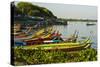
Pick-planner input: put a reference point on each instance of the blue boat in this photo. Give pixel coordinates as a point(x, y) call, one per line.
point(20, 43)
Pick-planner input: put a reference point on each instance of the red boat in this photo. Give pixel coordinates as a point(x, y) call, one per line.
point(41, 40)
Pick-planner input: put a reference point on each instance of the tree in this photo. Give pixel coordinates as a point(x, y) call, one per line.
point(27, 8)
point(24, 7)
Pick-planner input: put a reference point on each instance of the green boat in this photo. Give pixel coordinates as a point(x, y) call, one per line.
point(61, 46)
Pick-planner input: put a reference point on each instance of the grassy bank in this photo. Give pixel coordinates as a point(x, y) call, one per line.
point(30, 56)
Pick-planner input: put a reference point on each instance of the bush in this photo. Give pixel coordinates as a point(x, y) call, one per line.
point(32, 56)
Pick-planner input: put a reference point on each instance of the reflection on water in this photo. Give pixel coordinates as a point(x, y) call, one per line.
point(82, 28)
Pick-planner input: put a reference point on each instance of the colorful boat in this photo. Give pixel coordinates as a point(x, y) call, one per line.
point(34, 35)
point(62, 46)
point(51, 37)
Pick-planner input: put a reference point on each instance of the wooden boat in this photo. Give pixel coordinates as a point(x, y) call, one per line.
point(37, 40)
point(41, 36)
point(49, 38)
point(19, 43)
point(22, 34)
point(41, 33)
point(62, 46)
point(35, 35)
point(41, 40)
point(51, 35)
point(73, 37)
point(90, 24)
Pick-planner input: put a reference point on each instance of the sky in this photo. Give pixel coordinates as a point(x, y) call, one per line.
point(70, 10)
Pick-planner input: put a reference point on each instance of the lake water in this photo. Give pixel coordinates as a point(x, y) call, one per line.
point(82, 28)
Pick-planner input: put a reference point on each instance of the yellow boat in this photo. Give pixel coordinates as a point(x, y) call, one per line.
point(61, 46)
point(42, 32)
point(38, 33)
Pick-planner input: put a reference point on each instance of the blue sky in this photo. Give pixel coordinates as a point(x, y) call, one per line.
point(70, 11)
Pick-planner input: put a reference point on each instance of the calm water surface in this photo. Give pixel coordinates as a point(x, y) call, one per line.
point(82, 28)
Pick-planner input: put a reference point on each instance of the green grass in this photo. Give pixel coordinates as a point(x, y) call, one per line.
point(31, 56)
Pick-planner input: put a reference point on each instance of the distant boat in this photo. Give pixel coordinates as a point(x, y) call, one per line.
point(90, 24)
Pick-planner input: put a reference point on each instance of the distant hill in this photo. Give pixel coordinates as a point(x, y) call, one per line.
point(29, 9)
